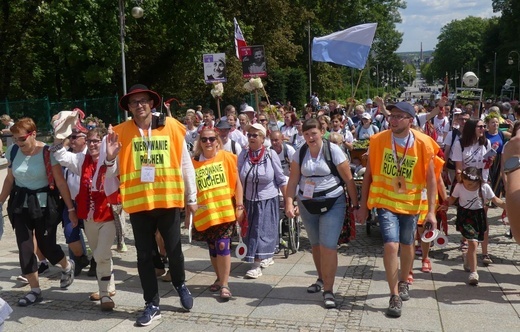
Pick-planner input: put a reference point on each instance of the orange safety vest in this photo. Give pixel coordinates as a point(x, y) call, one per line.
point(438, 164)
point(382, 192)
point(167, 191)
point(216, 182)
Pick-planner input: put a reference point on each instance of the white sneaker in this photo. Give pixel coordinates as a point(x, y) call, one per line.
point(254, 273)
point(473, 278)
point(22, 278)
point(266, 262)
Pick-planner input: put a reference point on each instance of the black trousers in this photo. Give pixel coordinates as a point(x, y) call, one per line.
point(24, 228)
point(144, 225)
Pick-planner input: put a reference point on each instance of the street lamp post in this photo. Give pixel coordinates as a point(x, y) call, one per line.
point(137, 12)
point(510, 61)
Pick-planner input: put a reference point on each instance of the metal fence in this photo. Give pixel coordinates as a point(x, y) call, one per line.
point(42, 110)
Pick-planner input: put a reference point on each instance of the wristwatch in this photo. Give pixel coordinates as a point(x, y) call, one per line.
point(511, 164)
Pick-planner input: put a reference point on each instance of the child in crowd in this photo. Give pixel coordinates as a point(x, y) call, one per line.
point(471, 222)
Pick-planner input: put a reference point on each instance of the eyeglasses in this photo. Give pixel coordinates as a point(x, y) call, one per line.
point(22, 138)
point(93, 141)
point(210, 139)
point(262, 120)
point(90, 127)
point(398, 117)
point(135, 103)
point(481, 126)
point(76, 136)
point(252, 135)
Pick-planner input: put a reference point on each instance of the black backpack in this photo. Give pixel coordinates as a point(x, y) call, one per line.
point(327, 154)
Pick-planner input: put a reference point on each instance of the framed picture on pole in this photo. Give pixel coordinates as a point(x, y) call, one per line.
point(253, 61)
point(214, 67)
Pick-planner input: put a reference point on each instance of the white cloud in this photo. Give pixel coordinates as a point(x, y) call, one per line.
point(423, 19)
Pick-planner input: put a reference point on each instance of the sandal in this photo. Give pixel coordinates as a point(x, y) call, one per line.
point(409, 280)
point(225, 293)
point(329, 300)
point(316, 287)
point(215, 287)
point(30, 298)
point(426, 265)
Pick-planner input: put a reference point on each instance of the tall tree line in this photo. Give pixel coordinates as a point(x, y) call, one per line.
point(68, 49)
point(473, 44)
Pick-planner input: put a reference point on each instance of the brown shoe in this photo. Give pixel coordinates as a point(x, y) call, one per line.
point(95, 296)
point(107, 304)
point(159, 272)
point(167, 277)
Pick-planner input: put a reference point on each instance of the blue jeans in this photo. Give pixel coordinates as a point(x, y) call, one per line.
point(324, 229)
point(397, 227)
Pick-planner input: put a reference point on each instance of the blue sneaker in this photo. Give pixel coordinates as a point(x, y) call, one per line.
point(150, 313)
point(185, 296)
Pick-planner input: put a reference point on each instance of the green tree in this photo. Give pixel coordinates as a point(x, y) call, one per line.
point(460, 46)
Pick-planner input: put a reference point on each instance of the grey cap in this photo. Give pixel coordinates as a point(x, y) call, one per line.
point(403, 106)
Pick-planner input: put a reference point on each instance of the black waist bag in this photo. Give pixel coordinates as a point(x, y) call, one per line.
point(319, 206)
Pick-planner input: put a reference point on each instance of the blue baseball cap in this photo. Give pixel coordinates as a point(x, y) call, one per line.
point(403, 106)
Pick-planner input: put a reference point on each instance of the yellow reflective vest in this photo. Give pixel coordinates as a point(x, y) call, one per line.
point(383, 193)
point(163, 150)
point(216, 180)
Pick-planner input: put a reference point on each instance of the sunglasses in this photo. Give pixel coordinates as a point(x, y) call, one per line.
point(481, 126)
point(262, 120)
point(210, 139)
point(135, 103)
point(93, 141)
point(76, 136)
point(22, 138)
point(252, 135)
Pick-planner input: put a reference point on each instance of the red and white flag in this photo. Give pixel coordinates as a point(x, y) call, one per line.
point(446, 89)
point(239, 39)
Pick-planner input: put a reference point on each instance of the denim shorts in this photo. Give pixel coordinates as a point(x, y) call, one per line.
point(324, 229)
point(397, 227)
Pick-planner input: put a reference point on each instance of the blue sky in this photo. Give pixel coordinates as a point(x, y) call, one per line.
point(423, 20)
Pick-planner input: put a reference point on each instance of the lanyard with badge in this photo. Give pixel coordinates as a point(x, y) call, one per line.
point(308, 189)
point(147, 169)
point(399, 181)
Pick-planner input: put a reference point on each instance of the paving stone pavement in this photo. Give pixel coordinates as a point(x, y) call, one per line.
point(278, 301)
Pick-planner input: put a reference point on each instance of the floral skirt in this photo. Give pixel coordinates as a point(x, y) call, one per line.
point(212, 234)
point(472, 224)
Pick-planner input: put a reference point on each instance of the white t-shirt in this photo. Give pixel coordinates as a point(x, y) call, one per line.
point(191, 135)
point(317, 170)
point(471, 200)
point(227, 147)
point(297, 140)
point(442, 127)
point(366, 133)
point(447, 142)
point(347, 134)
point(472, 156)
point(286, 163)
point(288, 131)
point(237, 136)
point(422, 119)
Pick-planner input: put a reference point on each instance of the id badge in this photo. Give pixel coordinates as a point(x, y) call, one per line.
point(424, 195)
point(399, 184)
point(308, 191)
point(148, 173)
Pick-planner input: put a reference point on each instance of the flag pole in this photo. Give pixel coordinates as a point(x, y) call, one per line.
point(359, 80)
point(310, 56)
